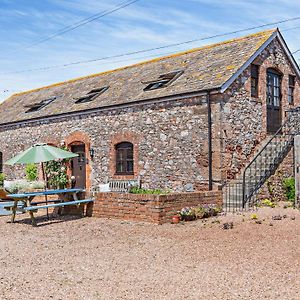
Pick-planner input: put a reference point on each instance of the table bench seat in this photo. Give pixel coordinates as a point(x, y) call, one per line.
point(49, 201)
point(34, 208)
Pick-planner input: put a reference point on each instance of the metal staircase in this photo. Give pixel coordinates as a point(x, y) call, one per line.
point(241, 193)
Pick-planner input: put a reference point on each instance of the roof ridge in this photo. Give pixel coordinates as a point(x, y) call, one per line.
point(148, 61)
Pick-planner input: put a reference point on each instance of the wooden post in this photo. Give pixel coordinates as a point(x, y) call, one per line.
point(297, 169)
point(45, 182)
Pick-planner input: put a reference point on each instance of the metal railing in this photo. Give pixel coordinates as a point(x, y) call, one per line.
point(266, 161)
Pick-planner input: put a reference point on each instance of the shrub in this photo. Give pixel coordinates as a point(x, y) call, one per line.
point(2, 178)
point(289, 187)
point(31, 171)
point(269, 203)
point(137, 190)
point(23, 186)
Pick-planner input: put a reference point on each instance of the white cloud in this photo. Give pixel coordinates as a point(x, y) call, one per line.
point(146, 24)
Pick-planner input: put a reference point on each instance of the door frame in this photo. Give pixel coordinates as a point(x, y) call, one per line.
point(79, 137)
point(85, 158)
point(272, 107)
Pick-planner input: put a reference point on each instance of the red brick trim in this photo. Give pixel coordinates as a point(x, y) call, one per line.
point(124, 137)
point(79, 137)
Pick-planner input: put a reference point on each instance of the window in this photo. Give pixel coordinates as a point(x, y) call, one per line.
point(1, 162)
point(254, 80)
point(39, 105)
point(124, 158)
point(273, 89)
point(93, 94)
point(291, 89)
point(162, 81)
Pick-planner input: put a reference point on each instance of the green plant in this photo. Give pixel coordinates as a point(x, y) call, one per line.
point(270, 187)
point(22, 186)
point(187, 214)
point(2, 178)
point(289, 187)
point(254, 217)
point(199, 212)
point(56, 172)
point(31, 171)
point(137, 190)
point(267, 202)
point(36, 185)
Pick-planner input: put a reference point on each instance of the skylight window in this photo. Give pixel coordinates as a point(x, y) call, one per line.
point(39, 105)
point(91, 95)
point(162, 81)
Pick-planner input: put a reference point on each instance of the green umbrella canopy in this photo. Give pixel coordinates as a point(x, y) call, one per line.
point(40, 153)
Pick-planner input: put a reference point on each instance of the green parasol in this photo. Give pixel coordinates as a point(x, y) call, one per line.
point(40, 153)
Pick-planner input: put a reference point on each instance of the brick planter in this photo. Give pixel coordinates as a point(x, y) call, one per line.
point(157, 209)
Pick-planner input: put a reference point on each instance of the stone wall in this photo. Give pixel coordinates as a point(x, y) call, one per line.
point(170, 142)
point(273, 188)
point(157, 209)
point(170, 138)
point(244, 117)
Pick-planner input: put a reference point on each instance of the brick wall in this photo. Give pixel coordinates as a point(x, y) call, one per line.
point(157, 209)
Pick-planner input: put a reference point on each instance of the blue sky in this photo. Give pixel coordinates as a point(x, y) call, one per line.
point(146, 24)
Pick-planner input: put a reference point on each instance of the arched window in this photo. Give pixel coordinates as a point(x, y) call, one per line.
point(124, 158)
point(1, 162)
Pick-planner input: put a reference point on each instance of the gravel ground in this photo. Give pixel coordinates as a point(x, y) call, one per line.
point(92, 258)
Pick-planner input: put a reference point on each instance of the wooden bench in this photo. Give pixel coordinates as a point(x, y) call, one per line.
point(123, 186)
point(48, 201)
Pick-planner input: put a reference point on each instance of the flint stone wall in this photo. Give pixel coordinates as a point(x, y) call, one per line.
point(170, 139)
point(244, 118)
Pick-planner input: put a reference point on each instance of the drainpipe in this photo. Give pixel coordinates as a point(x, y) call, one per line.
point(210, 175)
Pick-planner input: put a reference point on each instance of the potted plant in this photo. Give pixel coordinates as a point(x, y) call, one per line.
point(188, 214)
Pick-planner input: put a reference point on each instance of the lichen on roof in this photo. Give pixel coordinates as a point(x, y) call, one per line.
point(205, 67)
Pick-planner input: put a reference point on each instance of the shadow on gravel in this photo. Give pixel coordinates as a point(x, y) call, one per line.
point(44, 221)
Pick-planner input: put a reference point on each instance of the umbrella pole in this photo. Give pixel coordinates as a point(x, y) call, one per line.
point(45, 186)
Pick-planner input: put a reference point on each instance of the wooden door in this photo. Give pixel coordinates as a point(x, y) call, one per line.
point(78, 165)
point(273, 101)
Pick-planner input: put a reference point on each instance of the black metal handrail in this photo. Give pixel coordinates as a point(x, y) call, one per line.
point(283, 136)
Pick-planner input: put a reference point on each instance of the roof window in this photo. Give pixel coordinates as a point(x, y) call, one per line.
point(162, 81)
point(39, 105)
point(91, 95)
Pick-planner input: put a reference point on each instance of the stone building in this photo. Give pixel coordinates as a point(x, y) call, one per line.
point(183, 122)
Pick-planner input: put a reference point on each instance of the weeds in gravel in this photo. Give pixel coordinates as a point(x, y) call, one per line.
point(254, 217)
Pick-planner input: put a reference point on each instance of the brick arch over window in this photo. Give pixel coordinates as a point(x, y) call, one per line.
point(76, 138)
point(119, 139)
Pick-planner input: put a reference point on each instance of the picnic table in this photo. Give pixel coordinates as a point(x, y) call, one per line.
point(27, 204)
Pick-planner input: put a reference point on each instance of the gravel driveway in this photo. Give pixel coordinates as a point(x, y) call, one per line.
point(94, 258)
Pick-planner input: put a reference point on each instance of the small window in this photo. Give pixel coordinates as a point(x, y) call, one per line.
point(124, 158)
point(93, 94)
point(254, 80)
point(162, 81)
point(292, 80)
point(40, 105)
